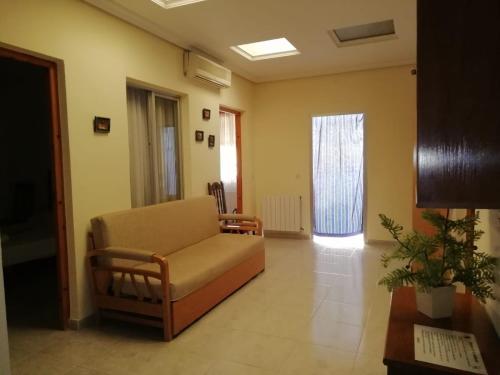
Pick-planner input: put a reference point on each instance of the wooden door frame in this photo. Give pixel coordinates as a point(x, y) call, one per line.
point(239, 173)
point(58, 178)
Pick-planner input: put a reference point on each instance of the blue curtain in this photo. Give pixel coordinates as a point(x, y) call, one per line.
point(338, 175)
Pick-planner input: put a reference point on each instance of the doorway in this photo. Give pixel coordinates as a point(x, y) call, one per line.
point(32, 213)
point(230, 158)
point(338, 175)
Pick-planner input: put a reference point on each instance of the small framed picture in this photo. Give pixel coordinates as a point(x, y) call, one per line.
point(198, 136)
point(205, 114)
point(102, 125)
point(211, 140)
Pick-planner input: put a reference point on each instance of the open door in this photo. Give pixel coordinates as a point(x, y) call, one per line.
point(53, 175)
point(338, 175)
point(230, 158)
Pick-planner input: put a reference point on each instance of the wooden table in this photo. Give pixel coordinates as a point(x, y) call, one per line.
point(468, 316)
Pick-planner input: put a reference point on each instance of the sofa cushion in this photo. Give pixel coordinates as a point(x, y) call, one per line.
point(194, 266)
point(162, 228)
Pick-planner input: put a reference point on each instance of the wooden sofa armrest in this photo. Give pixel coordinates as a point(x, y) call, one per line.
point(239, 223)
point(102, 275)
point(125, 253)
point(131, 254)
point(238, 217)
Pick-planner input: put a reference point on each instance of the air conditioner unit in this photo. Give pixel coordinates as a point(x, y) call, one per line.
point(199, 67)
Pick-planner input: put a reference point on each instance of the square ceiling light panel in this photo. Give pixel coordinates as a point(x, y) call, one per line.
point(266, 49)
point(369, 32)
point(167, 4)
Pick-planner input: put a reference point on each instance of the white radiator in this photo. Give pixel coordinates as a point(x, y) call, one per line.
point(282, 213)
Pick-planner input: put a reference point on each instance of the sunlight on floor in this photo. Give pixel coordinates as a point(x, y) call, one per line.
point(352, 242)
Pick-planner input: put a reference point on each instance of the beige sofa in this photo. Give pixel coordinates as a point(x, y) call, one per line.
point(166, 265)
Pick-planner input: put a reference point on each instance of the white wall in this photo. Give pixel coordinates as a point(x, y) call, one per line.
point(282, 139)
point(4, 340)
point(97, 54)
point(490, 243)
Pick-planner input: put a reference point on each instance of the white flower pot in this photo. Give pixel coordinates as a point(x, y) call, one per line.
point(438, 302)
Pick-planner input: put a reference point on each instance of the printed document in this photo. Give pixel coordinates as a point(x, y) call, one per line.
point(458, 350)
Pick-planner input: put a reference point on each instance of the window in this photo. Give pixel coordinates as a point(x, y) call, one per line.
point(153, 122)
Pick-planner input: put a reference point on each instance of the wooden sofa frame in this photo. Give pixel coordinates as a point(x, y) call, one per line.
point(158, 310)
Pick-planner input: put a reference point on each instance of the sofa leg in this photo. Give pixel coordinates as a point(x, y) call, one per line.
point(167, 333)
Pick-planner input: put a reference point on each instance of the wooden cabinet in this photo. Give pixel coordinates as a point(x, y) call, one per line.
point(458, 141)
point(468, 316)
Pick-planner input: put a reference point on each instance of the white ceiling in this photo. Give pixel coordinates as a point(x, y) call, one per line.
point(215, 25)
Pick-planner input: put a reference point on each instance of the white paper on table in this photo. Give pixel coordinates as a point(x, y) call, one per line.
point(458, 350)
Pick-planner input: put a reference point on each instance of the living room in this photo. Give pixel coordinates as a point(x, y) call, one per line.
point(97, 54)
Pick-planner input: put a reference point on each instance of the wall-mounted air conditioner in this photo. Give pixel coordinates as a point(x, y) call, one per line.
point(199, 67)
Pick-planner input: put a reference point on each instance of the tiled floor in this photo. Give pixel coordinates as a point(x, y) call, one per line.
point(313, 311)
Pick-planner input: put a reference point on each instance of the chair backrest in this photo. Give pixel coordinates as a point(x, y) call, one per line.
point(217, 190)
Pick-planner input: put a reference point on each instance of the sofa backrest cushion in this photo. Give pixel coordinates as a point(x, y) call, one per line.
point(163, 228)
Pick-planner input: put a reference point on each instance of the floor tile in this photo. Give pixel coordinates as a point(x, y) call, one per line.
point(369, 364)
point(259, 350)
point(314, 310)
point(281, 321)
point(18, 355)
point(84, 371)
point(333, 334)
point(317, 360)
point(177, 362)
point(40, 364)
point(232, 368)
point(341, 312)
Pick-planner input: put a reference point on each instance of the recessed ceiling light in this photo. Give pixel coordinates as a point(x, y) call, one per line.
point(369, 32)
point(266, 49)
point(167, 4)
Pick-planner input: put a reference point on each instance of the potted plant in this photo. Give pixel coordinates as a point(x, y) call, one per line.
point(435, 263)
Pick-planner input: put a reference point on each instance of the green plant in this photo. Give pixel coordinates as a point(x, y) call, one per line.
point(445, 258)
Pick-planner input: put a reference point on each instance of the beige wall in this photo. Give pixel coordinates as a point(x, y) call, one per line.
point(282, 139)
point(490, 243)
point(97, 54)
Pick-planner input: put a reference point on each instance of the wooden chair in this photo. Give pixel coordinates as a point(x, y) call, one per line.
point(217, 190)
point(232, 223)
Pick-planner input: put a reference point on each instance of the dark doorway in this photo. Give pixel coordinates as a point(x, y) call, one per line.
point(31, 204)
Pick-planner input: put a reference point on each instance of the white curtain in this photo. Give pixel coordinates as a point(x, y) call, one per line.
point(166, 129)
point(228, 158)
point(338, 175)
point(140, 172)
point(154, 168)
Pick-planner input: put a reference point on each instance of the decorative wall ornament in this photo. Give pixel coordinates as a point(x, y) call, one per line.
point(211, 140)
point(198, 135)
point(102, 124)
point(205, 114)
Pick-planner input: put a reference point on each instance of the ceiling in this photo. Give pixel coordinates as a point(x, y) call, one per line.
point(215, 25)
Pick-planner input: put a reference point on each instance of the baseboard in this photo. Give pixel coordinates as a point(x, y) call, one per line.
point(288, 235)
point(384, 243)
point(76, 324)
